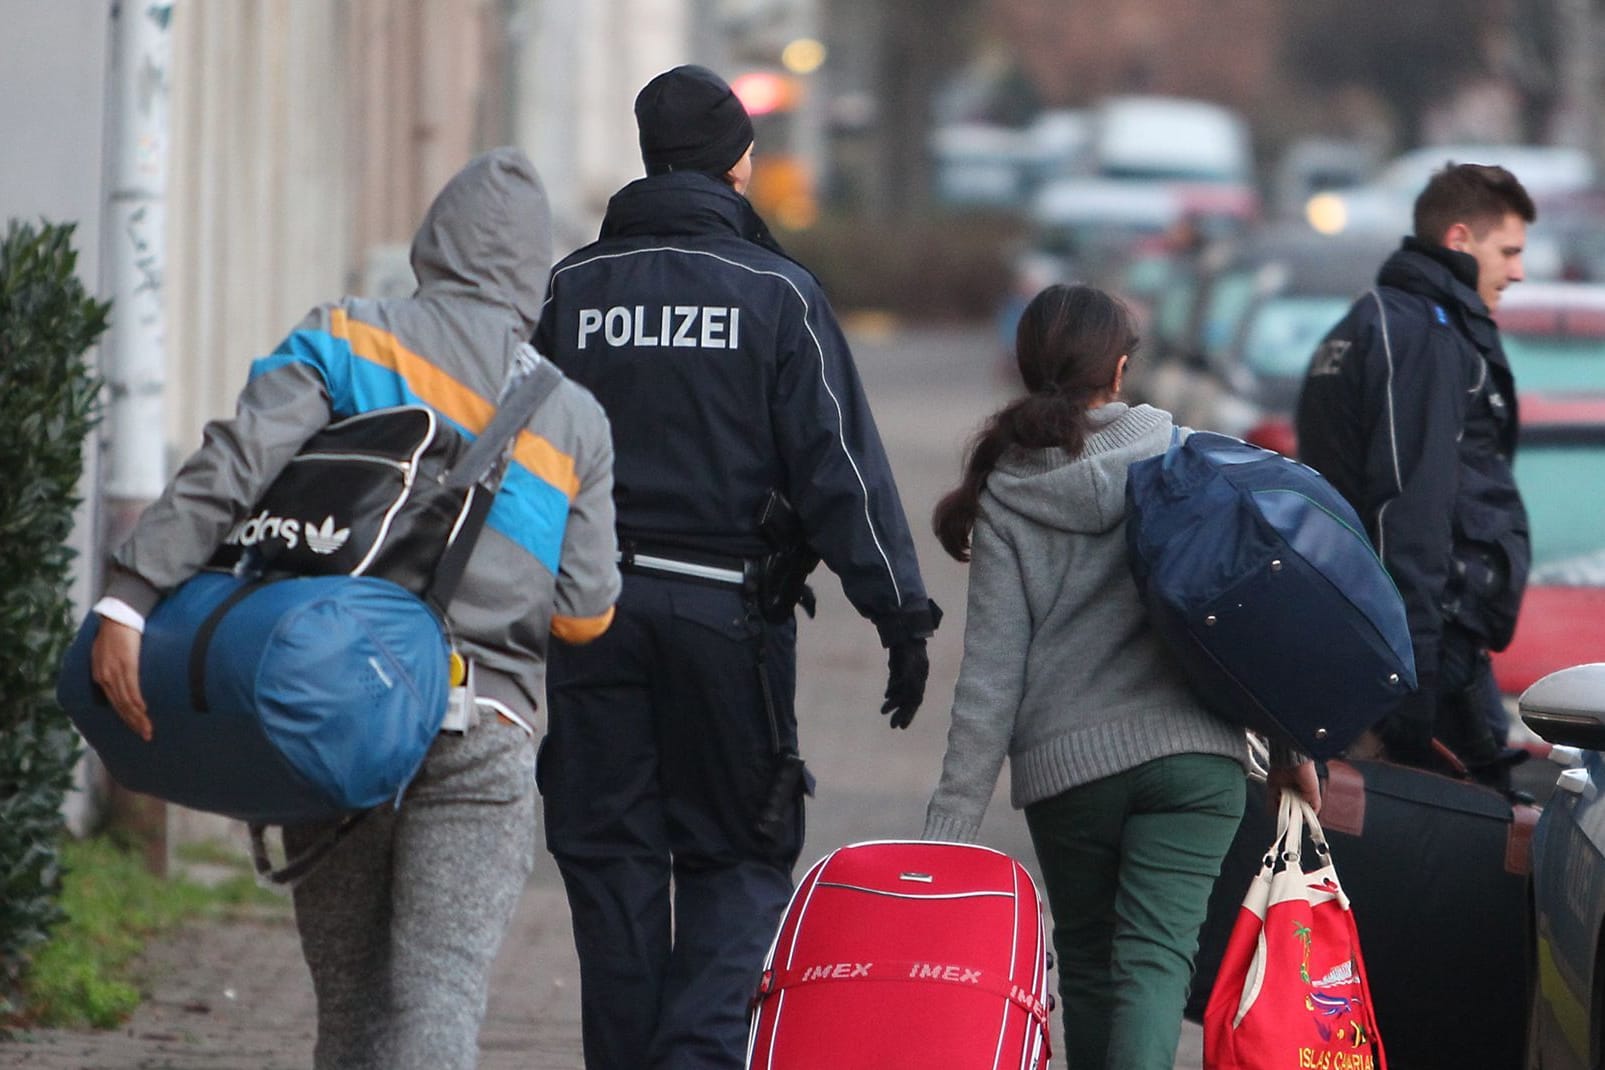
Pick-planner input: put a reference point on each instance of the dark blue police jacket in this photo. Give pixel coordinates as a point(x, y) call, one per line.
point(725, 375)
point(1409, 409)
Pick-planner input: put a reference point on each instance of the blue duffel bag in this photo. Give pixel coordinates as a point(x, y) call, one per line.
point(1259, 576)
point(250, 685)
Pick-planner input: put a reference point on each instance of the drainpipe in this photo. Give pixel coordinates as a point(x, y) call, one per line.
point(134, 352)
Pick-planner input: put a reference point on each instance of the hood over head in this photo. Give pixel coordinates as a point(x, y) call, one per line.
point(1084, 494)
point(490, 231)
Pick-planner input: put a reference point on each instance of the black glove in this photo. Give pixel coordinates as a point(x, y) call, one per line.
point(907, 667)
point(1407, 732)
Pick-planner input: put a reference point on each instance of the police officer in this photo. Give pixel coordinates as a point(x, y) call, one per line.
point(1409, 408)
point(672, 746)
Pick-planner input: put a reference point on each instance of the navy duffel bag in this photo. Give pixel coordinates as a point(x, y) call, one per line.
point(1259, 576)
point(251, 685)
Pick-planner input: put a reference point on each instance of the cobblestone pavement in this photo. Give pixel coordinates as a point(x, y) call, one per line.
point(237, 997)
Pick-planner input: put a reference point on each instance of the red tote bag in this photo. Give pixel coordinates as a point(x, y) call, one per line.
point(1292, 992)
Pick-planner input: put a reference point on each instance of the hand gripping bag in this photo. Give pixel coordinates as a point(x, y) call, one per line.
point(279, 698)
point(1260, 578)
point(1292, 989)
point(274, 702)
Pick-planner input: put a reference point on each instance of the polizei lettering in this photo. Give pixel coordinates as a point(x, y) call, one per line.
point(675, 326)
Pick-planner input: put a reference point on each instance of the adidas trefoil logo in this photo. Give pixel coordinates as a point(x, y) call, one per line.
point(326, 539)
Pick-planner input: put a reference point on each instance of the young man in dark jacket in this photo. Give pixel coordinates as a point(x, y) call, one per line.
point(672, 749)
point(1409, 408)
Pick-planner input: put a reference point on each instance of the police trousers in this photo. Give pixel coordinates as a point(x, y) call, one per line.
point(662, 746)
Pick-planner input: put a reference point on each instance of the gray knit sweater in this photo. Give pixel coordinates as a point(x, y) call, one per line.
point(1061, 671)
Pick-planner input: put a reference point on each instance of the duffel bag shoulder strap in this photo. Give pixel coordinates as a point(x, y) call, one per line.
point(290, 874)
point(482, 469)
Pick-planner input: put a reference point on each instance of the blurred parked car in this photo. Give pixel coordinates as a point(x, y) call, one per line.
point(1147, 165)
point(1545, 171)
point(1570, 231)
point(1314, 165)
point(1566, 1030)
point(1170, 139)
point(1560, 469)
point(988, 165)
point(1251, 322)
point(1554, 336)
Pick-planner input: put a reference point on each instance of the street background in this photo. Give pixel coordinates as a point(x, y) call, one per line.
point(1234, 170)
point(237, 996)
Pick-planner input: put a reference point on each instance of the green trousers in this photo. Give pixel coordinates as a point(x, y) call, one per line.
point(1129, 862)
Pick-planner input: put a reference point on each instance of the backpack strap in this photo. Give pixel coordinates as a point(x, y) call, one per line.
point(294, 869)
point(486, 459)
point(203, 640)
point(481, 470)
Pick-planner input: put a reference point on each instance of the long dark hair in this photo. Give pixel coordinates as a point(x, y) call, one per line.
point(1068, 346)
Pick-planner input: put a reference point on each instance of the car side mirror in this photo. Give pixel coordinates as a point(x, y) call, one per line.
point(1568, 707)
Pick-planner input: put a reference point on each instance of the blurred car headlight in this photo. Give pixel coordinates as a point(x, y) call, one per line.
point(1328, 213)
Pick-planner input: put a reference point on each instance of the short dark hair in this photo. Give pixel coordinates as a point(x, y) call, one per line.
point(1478, 195)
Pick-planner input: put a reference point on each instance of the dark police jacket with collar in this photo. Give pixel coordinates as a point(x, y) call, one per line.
point(1409, 409)
point(725, 375)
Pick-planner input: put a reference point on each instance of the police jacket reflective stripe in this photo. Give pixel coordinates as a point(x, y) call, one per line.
point(725, 376)
point(1409, 409)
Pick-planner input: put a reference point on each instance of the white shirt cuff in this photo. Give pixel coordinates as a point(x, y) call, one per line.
point(121, 612)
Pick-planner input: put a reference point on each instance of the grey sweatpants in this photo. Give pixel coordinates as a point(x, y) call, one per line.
point(400, 924)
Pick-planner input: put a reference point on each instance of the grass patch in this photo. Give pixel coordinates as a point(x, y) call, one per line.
point(114, 905)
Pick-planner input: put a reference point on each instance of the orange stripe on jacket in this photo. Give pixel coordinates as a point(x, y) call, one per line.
point(581, 629)
point(460, 404)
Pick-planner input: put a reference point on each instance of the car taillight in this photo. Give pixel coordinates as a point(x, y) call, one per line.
point(1274, 434)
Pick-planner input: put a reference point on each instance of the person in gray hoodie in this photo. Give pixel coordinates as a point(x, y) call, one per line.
point(400, 923)
point(1132, 790)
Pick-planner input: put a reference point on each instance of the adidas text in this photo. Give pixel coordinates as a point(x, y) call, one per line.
point(265, 526)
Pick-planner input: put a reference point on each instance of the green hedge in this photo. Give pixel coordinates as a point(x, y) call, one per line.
point(48, 399)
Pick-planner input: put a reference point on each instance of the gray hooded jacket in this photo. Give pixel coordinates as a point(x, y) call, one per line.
point(1061, 671)
point(546, 561)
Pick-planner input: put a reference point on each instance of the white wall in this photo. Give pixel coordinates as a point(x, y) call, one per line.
point(52, 126)
point(52, 109)
point(578, 69)
point(258, 202)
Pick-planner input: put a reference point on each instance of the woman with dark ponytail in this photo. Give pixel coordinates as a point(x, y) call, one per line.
point(1132, 790)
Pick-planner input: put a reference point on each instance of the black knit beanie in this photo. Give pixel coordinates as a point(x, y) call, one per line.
point(690, 120)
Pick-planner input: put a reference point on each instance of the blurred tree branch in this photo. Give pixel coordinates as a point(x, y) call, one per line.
point(1411, 54)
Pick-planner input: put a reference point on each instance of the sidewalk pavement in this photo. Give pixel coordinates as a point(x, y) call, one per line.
point(236, 996)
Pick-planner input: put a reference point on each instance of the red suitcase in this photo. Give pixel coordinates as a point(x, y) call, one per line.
point(906, 954)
